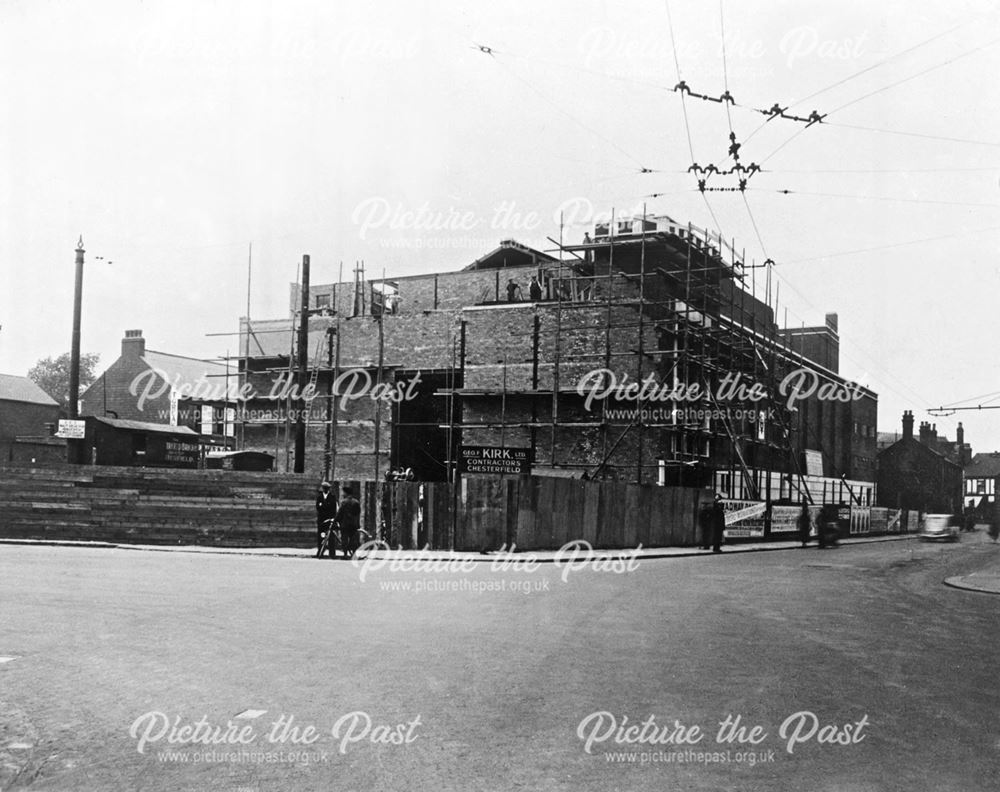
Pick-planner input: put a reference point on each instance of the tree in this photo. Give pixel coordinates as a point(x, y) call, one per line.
point(52, 375)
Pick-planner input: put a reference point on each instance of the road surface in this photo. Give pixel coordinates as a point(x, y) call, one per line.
point(851, 669)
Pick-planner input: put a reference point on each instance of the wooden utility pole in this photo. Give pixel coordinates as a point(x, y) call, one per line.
point(75, 447)
point(302, 372)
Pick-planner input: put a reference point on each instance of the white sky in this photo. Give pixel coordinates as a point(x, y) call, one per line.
point(174, 134)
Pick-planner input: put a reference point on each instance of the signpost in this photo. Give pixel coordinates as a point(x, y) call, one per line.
point(71, 429)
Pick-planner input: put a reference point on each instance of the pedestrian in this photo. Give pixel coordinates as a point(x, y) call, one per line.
point(705, 525)
point(718, 524)
point(535, 289)
point(805, 524)
point(994, 530)
point(326, 509)
point(349, 519)
point(827, 530)
point(513, 291)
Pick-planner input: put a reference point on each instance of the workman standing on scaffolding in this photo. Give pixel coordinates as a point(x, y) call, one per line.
point(513, 291)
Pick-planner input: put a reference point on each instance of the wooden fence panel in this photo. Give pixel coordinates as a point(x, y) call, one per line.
point(482, 516)
point(439, 513)
point(526, 536)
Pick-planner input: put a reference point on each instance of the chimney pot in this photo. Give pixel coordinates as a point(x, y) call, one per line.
point(907, 424)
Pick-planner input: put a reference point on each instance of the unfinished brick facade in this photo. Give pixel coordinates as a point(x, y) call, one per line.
point(501, 373)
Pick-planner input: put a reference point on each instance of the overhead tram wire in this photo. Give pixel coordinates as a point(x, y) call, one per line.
point(772, 270)
point(885, 198)
point(991, 396)
point(867, 69)
point(687, 123)
point(918, 74)
point(879, 90)
point(888, 374)
point(754, 223)
point(493, 55)
point(883, 170)
point(877, 248)
point(677, 66)
point(850, 77)
point(725, 70)
point(943, 138)
point(586, 70)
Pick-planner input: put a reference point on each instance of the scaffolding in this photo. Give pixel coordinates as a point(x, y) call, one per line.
point(646, 295)
point(697, 294)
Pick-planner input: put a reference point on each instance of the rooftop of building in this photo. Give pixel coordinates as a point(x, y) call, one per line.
point(21, 389)
point(984, 466)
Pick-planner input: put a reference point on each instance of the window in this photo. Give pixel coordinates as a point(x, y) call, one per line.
point(207, 419)
point(323, 300)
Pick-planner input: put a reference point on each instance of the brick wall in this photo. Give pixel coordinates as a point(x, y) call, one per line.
point(23, 418)
point(111, 391)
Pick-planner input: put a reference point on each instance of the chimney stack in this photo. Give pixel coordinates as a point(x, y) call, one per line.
point(907, 424)
point(133, 344)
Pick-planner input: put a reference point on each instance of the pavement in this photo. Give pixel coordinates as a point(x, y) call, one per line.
point(523, 556)
point(985, 580)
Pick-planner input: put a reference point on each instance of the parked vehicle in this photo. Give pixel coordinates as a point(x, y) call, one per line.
point(939, 528)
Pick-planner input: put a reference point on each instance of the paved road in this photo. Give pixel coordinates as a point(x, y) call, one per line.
point(471, 689)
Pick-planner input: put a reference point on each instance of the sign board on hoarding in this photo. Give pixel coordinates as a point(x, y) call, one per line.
point(71, 429)
point(814, 462)
point(785, 519)
point(494, 460)
point(744, 519)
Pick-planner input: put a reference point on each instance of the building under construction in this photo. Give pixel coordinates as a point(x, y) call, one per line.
point(647, 352)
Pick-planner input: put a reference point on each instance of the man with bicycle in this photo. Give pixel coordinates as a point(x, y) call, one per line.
point(326, 509)
point(349, 520)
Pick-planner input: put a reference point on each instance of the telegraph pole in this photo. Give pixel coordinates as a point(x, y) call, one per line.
point(74, 361)
point(303, 371)
point(74, 447)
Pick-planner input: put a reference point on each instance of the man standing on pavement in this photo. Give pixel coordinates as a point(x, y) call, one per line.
point(349, 517)
point(706, 524)
point(718, 524)
point(805, 524)
point(326, 509)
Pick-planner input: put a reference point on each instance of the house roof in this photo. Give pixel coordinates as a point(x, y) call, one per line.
point(143, 426)
point(886, 439)
point(22, 389)
point(984, 466)
point(510, 254)
point(907, 442)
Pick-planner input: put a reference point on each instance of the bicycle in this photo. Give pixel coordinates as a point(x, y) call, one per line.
point(334, 534)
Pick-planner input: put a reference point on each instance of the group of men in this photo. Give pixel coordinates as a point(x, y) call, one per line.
point(713, 525)
point(514, 293)
point(346, 516)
